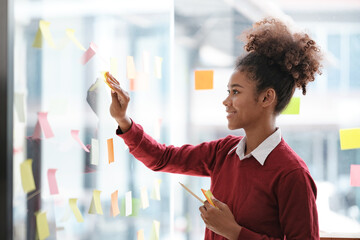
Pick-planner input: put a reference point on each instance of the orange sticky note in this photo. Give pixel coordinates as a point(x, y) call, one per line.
point(355, 175)
point(75, 135)
point(204, 79)
point(110, 145)
point(114, 204)
point(52, 181)
point(140, 234)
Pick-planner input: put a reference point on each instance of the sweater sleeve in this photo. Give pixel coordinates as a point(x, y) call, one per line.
point(197, 160)
point(297, 208)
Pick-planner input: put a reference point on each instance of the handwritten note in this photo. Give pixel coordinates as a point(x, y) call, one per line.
point(75, 135)
point(44, 30)
point(89, 53)
point(94, 151)
point(27, 177)
point(293, 107)
point(95, 206)
point(110, 145)
point(75, 209)
point(144, 198)
point(155, 234)
point(114, 204)
point(128, 204)
point(130, 67)
point(156, 190)
point(42, 225)
point(355, 175)
point(52, 181)
point(204, 79)
point(71, 34)
point(158, 67)
point(140, 234)
point(349, 138)
point(19, 102)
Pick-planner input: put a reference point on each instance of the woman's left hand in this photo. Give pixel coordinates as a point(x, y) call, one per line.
point(220, 220)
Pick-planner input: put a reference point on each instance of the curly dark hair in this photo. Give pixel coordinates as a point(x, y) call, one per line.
point(279, 59)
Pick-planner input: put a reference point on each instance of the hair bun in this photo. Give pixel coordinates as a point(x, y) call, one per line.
point(296, 53)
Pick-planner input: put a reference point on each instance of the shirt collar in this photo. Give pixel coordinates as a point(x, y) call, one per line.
point(262, 151)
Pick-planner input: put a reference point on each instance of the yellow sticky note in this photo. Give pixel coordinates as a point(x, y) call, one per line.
point(75, 209)
point(114, 204)
point(144, 198)
point(155, 234)
point(44, 30)
point(71, 34)
point(110, 145)
point(27, 177)
point(158, 67)
point(130, 67)
point(114, 67)
point(349, 138)
point(95, 206)
point(208, 194)
point(42, 226)
point(140, 234)
point(156, 190)
point(204, 79)
point(293, 107)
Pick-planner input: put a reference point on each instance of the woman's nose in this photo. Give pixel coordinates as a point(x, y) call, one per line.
point(226, 102)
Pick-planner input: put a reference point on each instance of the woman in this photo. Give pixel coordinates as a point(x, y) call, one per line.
point(263, 188)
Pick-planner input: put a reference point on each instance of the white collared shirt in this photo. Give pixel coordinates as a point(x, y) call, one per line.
point(262, 151)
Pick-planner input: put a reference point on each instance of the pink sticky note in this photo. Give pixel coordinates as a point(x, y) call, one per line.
point(90, 52)
point(42, 124)
point(75, 135)
point(52, 181)
point(355, 175)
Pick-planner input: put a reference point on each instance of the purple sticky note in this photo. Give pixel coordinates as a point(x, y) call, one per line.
point(89, 53)
point(355, 175)
point(75, 135)
point(52, 181)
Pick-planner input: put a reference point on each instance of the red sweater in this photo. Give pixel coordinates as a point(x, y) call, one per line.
point(273, 201)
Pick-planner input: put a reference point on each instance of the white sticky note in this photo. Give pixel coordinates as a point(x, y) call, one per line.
point(94, 151)
point(144, 198)
point(19, 101)
point(128, 204)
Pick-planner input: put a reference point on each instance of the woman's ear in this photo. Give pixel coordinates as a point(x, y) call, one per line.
point(268, 97)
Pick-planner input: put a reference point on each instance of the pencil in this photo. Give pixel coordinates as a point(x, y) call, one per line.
point(191, 192)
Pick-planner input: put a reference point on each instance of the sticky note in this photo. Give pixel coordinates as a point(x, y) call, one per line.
point(89, 53)
point(140, 234)
point(145, 62)
point(71, 34)
point(204, 79)
point(110, 145)
point(293, 107)
point(94, 154)
point(19, 102)
point(158, 67)
point(42, 225)
point(155, 233)
point(75, 209)
point(52, 181)
point(42, 124)
point(128, 204)
point(75, 135)
point(208, 194)
point(114, 204)
point(144, 198)
point(95, 206)
point(349, 138)
point(130, 67)
point(44, 30)
point(114, 67)
point(156, 190)
point(141, 82)
point(136, 205)
point(355, 175)
point(27, 177)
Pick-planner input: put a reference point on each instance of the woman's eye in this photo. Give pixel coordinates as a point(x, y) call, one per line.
point(235, 91)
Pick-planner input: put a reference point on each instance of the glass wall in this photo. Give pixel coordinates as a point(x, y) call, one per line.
point(63, 129)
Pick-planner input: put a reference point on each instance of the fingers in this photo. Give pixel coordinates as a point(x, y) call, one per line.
point(111, 78)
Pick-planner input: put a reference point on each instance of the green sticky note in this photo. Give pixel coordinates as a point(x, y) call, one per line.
point(349, 138)
point(293, 107)
point(136, 204)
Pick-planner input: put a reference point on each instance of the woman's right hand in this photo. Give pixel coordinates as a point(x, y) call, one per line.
point(120, 100)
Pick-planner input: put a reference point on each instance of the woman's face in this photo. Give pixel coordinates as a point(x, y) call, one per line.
point(242, 105)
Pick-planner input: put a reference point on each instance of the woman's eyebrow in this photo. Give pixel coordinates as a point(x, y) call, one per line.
point(235, 85)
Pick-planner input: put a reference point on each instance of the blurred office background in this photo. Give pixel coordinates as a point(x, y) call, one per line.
point(188, 35)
